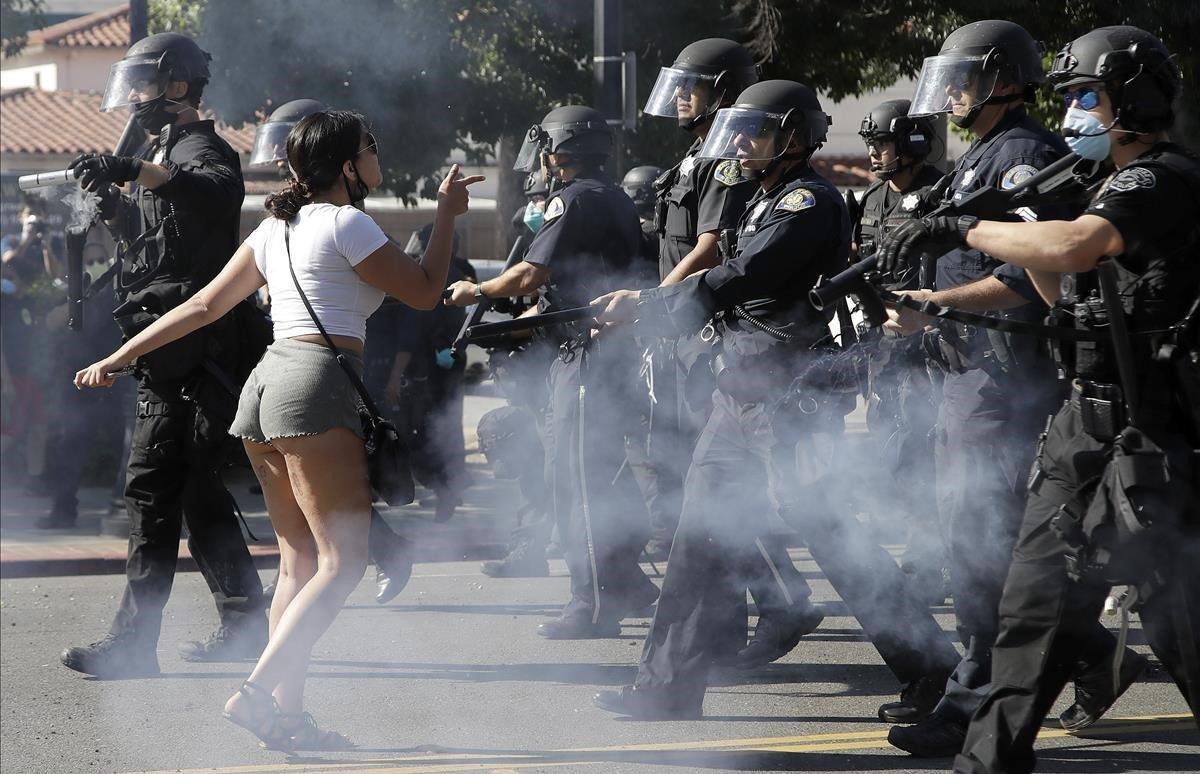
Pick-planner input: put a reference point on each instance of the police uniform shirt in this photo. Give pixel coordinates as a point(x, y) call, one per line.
point(1012, 152)
point(590, 238)
point(203, 196)
point(698, 196)
point(787, 238)
point(885, 209)
point(1154, 203)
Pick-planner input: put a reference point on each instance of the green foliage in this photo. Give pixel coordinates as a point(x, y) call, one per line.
point(17, 18)
point(175, 16)
point(439, 75)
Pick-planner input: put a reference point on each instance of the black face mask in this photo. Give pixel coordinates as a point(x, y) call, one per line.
point(152, 115)
point(359, 194)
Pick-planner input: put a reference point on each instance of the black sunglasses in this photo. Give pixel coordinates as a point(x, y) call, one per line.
point(372, 145)
point(1088, 97)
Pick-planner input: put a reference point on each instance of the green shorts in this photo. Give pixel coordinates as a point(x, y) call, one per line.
point(297, 389)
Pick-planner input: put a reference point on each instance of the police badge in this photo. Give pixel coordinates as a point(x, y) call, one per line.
point(728, 172)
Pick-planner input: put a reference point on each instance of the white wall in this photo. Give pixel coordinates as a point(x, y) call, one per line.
point(66, 69)
point(848, 114)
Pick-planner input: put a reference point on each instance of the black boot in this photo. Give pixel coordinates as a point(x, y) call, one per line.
point(579, 626)
point(59, 517)
point(645, 704)
point(773, 640)
point(393, 569)
point(1094, 690)
point(525, 560)
point(242, 643)
point(113, 658)
point(937, 736)
point(917, 700)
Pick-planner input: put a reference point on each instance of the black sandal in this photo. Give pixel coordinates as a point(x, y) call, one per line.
point(303, 734)
point(264, 717)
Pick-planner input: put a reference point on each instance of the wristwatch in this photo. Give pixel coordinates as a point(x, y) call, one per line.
point(479, 296)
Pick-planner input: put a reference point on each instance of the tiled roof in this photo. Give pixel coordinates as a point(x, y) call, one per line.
point(844, 171)
point(70, 122)
point(103, 29)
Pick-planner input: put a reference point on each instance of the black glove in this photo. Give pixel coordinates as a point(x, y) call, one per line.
point(110, 201)
point(94, 171)
point(939, 231)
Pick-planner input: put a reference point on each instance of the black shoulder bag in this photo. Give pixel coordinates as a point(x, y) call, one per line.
point(388, 457)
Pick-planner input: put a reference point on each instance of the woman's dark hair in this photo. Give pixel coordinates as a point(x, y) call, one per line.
point(317, 147)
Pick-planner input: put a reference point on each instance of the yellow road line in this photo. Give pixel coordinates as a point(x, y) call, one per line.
point(434, 762)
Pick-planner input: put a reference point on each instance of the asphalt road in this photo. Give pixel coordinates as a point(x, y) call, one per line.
point(452, 677)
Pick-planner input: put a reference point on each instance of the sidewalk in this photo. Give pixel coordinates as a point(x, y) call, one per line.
point(479, 529)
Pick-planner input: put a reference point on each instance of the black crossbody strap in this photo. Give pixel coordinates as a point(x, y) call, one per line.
point(345, 364)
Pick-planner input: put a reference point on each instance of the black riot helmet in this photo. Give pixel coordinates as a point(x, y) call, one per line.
point(1138, 71)
point(270, 139)
point(150, 65)
point(638, 184)
point(975, 59)
point(890, 122)
point(723, 67)
point(785, 110)
point(536, 185)
point(576, 130)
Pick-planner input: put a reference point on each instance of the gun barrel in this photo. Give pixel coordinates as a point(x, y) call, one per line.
point(836, 288)
point(534, 322)
point(45, 179)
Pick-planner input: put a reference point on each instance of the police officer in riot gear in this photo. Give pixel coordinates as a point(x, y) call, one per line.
point(1128, 436)
point(998, 388)
point(750, 458)
point(586, 247)
point(901, 400)
point(638, 184)
point(270, 138)
point(185, 204)
point(699, 199)
point(519, 369)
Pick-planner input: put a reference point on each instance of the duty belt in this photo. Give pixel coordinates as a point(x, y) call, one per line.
point(154, 408)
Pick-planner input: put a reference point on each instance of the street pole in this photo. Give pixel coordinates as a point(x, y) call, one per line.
point(139, 20)
point(607, 75)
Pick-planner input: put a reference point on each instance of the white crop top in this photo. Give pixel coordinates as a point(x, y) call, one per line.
point(327, 243)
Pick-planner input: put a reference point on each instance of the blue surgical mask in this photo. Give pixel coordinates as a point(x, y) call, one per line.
point(534, 218)
point(1091, 138)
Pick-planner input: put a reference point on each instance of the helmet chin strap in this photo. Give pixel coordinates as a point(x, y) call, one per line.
point(973, 114)
point(773, 164)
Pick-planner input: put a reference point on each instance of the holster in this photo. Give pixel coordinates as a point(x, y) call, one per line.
point(1101, 408)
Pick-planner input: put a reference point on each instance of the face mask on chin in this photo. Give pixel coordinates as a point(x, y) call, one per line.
point(1086, 134)
point(534, 217)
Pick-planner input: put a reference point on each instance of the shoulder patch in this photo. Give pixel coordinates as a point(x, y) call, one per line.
point(1017, 175)
point(554, 208)
point(728, 172)
point(1131, 178)
point(799, 199)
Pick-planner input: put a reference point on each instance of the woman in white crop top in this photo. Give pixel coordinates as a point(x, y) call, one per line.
point(297, 414)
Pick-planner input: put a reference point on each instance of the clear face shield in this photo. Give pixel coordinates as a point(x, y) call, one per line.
point(746, 134)
point(131, 81)
point(270, 142)
point(952, 84)
point(528, 158)
point(680, 94)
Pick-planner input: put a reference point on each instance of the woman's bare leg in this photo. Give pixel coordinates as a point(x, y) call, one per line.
point(328, 473)
point(297, 549)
